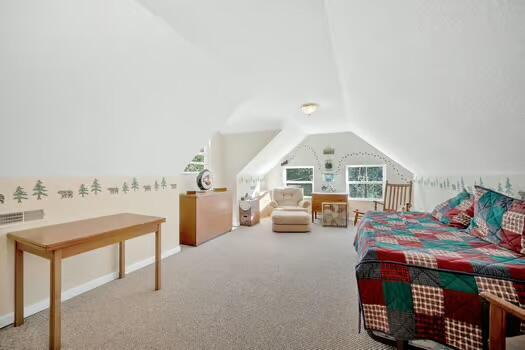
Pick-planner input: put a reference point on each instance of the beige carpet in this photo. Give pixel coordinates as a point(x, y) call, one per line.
point(249, 289)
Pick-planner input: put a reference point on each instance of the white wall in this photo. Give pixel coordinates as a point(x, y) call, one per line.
point(227, 155)
point(349, 150)
point(92, 267)
point(432, 190)
point(238, 150)
point(213, 150)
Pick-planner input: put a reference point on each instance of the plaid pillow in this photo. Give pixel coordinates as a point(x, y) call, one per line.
point(457, 211)
point(499, 219)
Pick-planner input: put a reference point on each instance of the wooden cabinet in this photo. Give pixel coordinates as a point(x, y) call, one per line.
point(204, 216)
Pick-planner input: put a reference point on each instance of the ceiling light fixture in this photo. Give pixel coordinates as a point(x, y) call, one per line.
point(309, 108)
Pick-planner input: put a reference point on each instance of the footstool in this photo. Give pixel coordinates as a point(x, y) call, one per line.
point(290, 221)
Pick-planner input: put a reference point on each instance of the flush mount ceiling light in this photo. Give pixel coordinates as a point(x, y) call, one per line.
point(309, 108)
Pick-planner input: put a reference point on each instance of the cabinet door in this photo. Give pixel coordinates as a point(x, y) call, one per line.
point(214, 215)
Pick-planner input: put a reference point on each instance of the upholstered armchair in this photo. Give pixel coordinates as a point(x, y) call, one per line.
point(289, 198)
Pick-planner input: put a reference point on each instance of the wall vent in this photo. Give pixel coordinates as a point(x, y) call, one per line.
point(21, 216)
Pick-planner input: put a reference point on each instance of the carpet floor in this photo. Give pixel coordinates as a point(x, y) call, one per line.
point(249, 289)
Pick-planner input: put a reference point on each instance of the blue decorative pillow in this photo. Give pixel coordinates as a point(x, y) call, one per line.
point(499, 219)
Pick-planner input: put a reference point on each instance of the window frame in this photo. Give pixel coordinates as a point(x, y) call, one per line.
point(383, 183)
point(203, 163)
point(285, 182)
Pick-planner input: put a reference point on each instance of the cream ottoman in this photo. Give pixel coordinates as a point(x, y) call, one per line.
point(290, 221)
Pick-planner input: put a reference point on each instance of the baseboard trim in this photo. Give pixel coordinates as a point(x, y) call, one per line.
point(29, 310)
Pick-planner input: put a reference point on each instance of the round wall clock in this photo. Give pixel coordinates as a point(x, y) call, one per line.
point(205, 180)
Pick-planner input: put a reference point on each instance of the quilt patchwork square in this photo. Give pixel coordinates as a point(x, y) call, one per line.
point(501, 288)
point(374, 294)
point(389, 240)
point(420, 259)
point(463, 335)
point(428, 300)
point(398, 296)
point(376, 317)
point(513, 222)
point(461, 306)
point(393, 272)
point(430, 327)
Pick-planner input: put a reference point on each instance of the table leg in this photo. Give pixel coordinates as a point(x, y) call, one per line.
point(158, 258)
point(122, 259)
point(19, 286)
point(55, 302)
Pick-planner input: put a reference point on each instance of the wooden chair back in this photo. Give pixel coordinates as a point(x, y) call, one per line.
point(398, 197)
point(498, 311)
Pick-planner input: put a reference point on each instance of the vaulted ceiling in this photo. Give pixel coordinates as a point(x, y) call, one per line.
point(136, 87)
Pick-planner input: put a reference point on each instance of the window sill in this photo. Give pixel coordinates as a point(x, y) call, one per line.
point(365, 199)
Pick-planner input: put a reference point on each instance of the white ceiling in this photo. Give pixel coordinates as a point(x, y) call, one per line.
point(138, 86)
point(281, 51)
point(438, 84)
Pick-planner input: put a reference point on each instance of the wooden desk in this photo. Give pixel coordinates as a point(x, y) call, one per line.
point(57, 242)
point(319, 198)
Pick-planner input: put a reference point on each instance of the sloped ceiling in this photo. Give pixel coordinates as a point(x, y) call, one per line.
point(437, 84)
point(280, 50)
point(137, 86)
point(103, 87)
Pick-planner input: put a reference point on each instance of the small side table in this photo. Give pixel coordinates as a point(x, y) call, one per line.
point(335, 214)
point(249, 213)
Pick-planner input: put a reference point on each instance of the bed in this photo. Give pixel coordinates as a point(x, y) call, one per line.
point(420, 279)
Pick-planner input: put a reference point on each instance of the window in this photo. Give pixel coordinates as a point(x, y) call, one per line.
point(300, 176)
point(197, 164)
point(365, 182)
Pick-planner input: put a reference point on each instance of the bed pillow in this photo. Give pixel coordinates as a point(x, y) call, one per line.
point(499, 219)
point(457, 211)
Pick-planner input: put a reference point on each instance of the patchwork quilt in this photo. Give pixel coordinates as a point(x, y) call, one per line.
point(420, 279)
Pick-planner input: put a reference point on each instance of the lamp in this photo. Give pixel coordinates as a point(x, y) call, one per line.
point(309, 108)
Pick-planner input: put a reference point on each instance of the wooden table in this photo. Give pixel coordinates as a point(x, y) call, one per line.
point(57, 242)
point(319, 197)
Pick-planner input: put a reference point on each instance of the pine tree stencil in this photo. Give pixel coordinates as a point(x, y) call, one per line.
point(83, 191)
point(19, 194)
point(508, 187)
point(481, 181)
point(156, 185)
point(95, 187)
point(135, 184)
point(39, 190)
point(462, 183)
point(163, 183)
point(500, 188)
point(125, 187)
